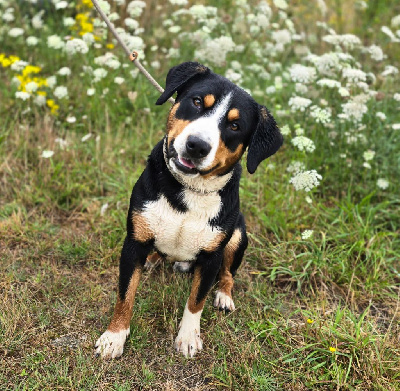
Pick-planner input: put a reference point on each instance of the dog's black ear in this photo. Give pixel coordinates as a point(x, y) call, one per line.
point(178, 76)
point(265, 141)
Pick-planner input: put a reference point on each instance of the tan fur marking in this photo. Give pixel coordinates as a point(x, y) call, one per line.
point(224, 158)
point(264, 112)
point(123, 308)
point(209, 101)
point(154, 258)
point(193, 306)
point(225, 277)
point(215, 243)
point(233, 114)
point(141, 228)
point(175, 126)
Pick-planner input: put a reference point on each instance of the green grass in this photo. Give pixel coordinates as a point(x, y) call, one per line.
point(296, 299)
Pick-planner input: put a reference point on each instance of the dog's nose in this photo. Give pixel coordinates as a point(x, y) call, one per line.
point(196, 147)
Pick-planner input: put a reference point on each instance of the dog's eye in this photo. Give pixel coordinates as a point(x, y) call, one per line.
point(234, 126)
point(197, 102)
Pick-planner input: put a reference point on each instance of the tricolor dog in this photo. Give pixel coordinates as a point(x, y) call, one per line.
point(185, 205)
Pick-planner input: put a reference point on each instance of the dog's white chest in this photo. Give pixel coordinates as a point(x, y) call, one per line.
point(181, 235)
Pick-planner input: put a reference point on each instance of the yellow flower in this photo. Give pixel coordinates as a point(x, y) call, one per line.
point(31, 69)
point(14, 58)
point(6, 62)
point(87, 3)
point(110, 46)
point(42, 93)
point(332, 349)
point(310, 321)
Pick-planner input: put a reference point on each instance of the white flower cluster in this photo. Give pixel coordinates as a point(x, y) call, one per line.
point(295, 167)
point(302, 74)
point(55, 42)
point(216, 50)
point(305, 180)
point(382, 183)
point(109, 60)
point(76, 45)
point(298, 103)
point(322, 116)
point(348, 41)
point(303, 143)
point(307, 234)
point(353, 111)
point(354, 75)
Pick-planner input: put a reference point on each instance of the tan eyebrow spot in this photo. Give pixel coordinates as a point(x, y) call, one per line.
point(209, 100)
point(233, 114)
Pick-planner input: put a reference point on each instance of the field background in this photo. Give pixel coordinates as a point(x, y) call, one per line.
point(318, 312)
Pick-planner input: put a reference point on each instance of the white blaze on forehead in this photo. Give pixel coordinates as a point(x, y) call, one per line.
point(206, 128)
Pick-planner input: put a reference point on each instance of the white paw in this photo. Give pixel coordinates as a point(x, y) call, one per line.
point(224, 302)
point(110, 344)
point(188, 342)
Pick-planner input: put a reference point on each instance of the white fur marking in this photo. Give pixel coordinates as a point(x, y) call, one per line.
point(182, 267)
point(110, 344)
point(206, 128)
point(182, 235)
point(188, 340)
point(223, 301)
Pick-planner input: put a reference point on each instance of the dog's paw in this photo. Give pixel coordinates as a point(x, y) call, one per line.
point(110, 344)
point(182, 267)
point(188, 342)
point(224, 302)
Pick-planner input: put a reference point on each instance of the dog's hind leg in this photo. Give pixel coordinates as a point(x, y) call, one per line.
point(133, 256)
point(206, 269)
point(233, 255)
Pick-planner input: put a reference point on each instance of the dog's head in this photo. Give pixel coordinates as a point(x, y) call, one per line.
point(212, 123)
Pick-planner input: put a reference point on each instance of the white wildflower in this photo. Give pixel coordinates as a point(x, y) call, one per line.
point(16, 32)
point(39, 100)
point(47, 154)
point(300, 88)
point(68, 22)
point(285, 130)
point(306, 180)
point(31, 86)
point(32, 41)
point(18, 66)
point(90, 91)
point(327, 64)
point(368, 155)
point(329, 83)
point(216, 50)
point(382, 183)
point(386, 30)
point(99, 73)
point(396, 97)
point(299, 131)
point(61, 142)
point(281, 4)
point(37, 22)
point(76, 45)
point(270, 90)
point(61, 92)
point(103, 209)
point(354, 75)
point(22, 95)
point(135, 8)
point(349, 41)
point(302, 74)
point(55, 42)
point(179, 2)
point(299, 103)
point(307, 234)
point(395, 21)
point(282, 37)
point(131, 23)
point(390, 70)
point(376, 52)
point(322, 116)
point(105, 6)
point(354, 110)
point(303, 143)
point(295, 167)
point(86, 137)
point(71, 119)
point(119, 80)
point(344, 92)
point(396, 126)
point(308, 200)
point(8, 17)
point(51, 81)
point(64, 71)
point(88, 38)
point(381, 116)
point(61, 5)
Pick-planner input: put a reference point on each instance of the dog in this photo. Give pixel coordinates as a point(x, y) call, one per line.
point(185, 205)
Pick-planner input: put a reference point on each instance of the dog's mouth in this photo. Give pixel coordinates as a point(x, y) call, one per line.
point(184, 165)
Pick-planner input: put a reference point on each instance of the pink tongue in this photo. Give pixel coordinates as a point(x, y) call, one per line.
point(186, 163)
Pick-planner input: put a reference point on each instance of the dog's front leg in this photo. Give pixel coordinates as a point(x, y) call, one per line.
point(133, 256)
point(188, 340)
